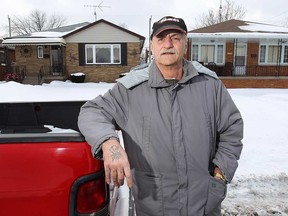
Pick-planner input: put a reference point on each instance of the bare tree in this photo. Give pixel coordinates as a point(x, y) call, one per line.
point(36, 21)
point(229, 10)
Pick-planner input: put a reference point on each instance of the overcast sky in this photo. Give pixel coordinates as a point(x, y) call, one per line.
point(135, 14)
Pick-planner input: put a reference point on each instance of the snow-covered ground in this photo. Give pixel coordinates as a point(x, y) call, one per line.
point(260, 185)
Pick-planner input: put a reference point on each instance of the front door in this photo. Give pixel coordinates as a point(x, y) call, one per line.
point(56, 60)
point(240, 53)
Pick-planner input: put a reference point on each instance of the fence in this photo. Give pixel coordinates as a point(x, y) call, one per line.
point(230, 70)
point(51, 71)
point(13, 72)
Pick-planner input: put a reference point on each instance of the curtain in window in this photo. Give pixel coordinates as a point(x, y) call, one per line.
point(207, 53)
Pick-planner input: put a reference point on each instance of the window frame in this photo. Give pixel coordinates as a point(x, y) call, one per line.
point(95, 46)
point(2, 58)
point(265, 52)
point(40, 52)
point(216, 57)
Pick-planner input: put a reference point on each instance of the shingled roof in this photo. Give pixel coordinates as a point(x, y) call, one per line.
point(240, 26)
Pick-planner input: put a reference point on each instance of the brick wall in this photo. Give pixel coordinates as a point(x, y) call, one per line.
point(30, 59)
point(255, 82)
point(101, 73)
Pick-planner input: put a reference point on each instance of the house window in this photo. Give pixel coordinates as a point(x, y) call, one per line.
point(208, 53)
point(273, 54)
point(40, 51)
point(2, 57)
point(220, 54)
point(285, 57)
point(262, 54)
point(103, 53)
point(195, 52)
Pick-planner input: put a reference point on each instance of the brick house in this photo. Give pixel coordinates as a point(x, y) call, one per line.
point(7, 58)
point(101, 50)
point(239, 48)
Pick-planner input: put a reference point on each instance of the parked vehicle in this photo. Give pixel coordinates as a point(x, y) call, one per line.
point(46, 167)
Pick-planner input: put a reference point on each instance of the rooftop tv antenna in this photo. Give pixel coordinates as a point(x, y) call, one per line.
point(220, 11)
point(99, 6)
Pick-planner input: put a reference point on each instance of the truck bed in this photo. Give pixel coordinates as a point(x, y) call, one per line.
point(47, 173)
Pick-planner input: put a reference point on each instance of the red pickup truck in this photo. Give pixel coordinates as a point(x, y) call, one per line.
point(46, 167)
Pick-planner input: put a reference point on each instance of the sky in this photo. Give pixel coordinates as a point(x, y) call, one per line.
point(261, 180)
point(136, 15)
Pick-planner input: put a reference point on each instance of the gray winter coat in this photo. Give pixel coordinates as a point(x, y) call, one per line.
point(174, 136)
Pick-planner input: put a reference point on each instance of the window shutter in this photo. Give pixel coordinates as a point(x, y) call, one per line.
point(81, 53)
point(124, 55)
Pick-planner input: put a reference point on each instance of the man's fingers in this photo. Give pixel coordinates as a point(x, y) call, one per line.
point(107, 176)
point(114, 177)
point(120, 176)
point(128, 176)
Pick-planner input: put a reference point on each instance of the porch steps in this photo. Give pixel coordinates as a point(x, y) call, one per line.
point(33, 80)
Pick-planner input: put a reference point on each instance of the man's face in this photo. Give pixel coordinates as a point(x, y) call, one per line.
point(169, 47)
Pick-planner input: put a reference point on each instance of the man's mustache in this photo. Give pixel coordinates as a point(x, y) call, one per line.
point(169, 51)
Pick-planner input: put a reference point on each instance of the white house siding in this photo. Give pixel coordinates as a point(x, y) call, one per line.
point(102, 33)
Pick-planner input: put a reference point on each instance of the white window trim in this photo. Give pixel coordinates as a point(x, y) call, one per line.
point(93, 46)
point(215, 52)
point(40, 51)
point(266, 54)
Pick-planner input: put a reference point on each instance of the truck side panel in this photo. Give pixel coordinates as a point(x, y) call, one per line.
point(39, 176)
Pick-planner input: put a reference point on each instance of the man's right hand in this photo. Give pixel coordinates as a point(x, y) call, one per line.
point(116, 163)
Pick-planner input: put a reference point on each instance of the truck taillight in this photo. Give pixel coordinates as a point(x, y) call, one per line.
point(90, 196)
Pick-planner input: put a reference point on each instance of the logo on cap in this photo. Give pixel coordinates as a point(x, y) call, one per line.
point(168, 22)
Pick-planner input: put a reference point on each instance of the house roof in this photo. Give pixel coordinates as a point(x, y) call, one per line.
point(108, 23)
point(240, 29)
point(57, 36)
point(47, 37)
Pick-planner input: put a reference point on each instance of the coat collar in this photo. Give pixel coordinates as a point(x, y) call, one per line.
point(156, 80)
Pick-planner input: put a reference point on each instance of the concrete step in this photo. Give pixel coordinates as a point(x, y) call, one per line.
point(32, 80)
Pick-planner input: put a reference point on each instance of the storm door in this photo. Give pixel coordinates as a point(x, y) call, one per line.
point(240, 54)
point(56, 60)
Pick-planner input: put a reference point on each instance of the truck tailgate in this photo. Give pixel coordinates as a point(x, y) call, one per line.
point(36, 178)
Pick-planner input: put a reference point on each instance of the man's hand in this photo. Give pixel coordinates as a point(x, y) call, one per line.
point(116, 163)
point(218, 174)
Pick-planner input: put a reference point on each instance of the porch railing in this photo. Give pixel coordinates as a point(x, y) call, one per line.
point(14, 72)
point(46, 70)
point(230, 70)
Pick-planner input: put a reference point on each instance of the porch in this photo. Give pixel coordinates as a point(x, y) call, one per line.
point(249, 71)
point(46, 74)
point(50, 73)
point(13, 73)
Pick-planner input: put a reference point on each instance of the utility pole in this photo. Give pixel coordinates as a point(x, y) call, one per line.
point(99, 6)
point(9, 22)
point(149, 53)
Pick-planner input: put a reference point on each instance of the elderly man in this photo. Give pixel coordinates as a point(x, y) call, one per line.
point(181, 130)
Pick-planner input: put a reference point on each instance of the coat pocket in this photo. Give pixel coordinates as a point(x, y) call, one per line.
point(216, 194)
point(147, 192)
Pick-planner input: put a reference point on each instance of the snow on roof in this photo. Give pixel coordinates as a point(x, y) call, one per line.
point(31, 41)
point(258, 27)
point(252, 35)
point(49, 37)
point(240, 29)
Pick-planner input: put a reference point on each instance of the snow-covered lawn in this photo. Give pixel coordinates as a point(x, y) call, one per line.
point(260, 186)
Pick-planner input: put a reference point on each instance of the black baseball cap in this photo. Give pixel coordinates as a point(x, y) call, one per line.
point(168, 22)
